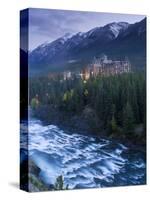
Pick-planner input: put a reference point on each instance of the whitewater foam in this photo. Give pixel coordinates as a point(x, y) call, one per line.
point(84, 161)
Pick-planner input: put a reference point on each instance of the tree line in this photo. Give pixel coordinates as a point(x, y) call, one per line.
point(118, 101)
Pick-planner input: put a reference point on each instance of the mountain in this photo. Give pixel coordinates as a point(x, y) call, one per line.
point(117, 40)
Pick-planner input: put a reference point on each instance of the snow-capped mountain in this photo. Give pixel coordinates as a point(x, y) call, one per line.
point(114, 39)
point(116, 28)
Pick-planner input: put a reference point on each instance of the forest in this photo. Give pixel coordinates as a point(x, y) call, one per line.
point(115, 104)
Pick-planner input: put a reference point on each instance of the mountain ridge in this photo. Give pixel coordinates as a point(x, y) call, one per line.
point(116, 39)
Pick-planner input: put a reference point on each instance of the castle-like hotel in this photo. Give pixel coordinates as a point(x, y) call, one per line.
point(99, 66)
point(103, 66)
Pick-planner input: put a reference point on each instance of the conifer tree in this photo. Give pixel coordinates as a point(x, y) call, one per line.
point(128, 119)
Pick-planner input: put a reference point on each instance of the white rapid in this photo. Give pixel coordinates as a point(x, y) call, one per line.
point(84, 161)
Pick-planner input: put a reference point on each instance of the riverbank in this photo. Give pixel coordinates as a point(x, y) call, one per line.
point(88, 123)
point(30, 179)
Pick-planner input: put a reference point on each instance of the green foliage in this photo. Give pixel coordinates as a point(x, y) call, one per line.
point(114, 127)
point(128, 119)
point(34, 103)
point(37, 183)
point(119, 101)
point(66, 97)
point(86, 92)
point(59, 184)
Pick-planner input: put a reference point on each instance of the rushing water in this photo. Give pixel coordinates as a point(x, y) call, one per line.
point(84, 161)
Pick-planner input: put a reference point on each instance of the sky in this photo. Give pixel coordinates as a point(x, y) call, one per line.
point(46, 25)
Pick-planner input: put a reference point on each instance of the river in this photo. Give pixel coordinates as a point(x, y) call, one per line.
point(84, 161)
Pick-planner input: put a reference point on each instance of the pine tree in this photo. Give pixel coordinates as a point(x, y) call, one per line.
point(114, 127)
point(113, 122)
point(59, 185)
point(128, 119)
